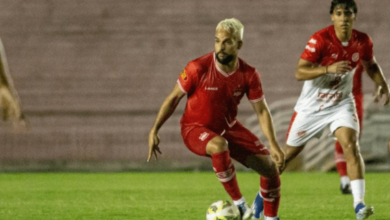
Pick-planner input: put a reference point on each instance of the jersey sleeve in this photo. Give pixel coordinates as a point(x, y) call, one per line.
point(313, 49)
point(186, 80)
point(368, 52)
point(255, 90)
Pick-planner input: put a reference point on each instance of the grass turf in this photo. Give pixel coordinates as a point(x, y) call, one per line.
point(173, 196)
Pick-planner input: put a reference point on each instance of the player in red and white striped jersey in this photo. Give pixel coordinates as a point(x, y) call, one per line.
point(327, 67)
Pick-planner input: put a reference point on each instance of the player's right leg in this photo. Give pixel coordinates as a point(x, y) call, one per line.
point(204, 142)
point(246, 148)
point(224, 168)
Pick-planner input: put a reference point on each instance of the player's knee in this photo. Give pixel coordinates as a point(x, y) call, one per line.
point(216, 145)
point(352, 152)
point(272, 172)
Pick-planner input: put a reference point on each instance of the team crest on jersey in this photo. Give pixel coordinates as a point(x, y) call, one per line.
point(355, 57)
point(183, 74)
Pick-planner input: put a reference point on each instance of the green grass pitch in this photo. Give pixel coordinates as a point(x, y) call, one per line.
point(173, 196)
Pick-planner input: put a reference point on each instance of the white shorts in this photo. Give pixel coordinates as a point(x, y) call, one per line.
point(304, 126)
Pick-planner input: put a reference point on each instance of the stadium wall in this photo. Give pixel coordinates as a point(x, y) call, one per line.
point(92, 74)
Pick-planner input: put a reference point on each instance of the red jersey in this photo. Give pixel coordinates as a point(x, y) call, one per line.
point(325, 48)
point(329, 91)
point(213, 95)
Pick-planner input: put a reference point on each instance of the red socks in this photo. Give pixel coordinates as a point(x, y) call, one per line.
point(270, 191)
point(226, 173)
point(341, 163)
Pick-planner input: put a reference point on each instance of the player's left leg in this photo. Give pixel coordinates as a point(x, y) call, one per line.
point(341, 165)
point(269, 193)
point(348, 139)
point(340, 160)
point(246, 148)
point(204, 142)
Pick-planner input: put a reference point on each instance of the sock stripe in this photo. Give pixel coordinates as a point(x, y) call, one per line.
point(269, 190)
point(227, 175)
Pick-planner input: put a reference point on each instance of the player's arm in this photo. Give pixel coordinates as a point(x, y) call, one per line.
point(9, 98)
point(167, 108)
point(266, 124)
point(376, 74)
point(307, 70)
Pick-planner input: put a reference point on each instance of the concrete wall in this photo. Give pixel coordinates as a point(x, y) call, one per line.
point(92, 73)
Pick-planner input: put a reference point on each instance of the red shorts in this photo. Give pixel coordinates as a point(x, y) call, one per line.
point(241, 142)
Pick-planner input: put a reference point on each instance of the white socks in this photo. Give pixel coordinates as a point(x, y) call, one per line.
point(358, 190)
point(344, 180)
point(270, 218)
point(240, 201)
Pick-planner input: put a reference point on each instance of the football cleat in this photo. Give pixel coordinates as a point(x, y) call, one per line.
point(245, 211)
point(363, 212)
point(258, 207)
point(346, 189)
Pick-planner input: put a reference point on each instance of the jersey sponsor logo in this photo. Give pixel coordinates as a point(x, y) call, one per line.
point(355, 57)
point(311, 49)
point(334, 56)
point(203, 136)
point(328, 97)
point(211, 88)
point(183, 75)
point(301, 133)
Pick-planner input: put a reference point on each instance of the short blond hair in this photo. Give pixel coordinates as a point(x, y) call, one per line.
point(233, 26)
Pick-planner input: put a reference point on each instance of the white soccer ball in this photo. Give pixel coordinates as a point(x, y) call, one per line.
point(222, 210)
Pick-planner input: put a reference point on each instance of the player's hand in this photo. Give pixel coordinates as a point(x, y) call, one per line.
point(278, 156)
point(154, 140)
point(382, 91)
point(340, 67)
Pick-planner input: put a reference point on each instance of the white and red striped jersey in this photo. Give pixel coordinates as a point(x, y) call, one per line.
point(326, 92)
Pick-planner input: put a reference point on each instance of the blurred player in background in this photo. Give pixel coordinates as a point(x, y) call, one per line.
point(9, 99)
point(327, 66)
point(214, 84)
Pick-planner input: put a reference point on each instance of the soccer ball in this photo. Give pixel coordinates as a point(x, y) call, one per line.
point(222, 210)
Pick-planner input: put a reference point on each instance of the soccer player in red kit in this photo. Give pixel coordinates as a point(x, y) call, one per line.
point(327, 67)
point(214, 84)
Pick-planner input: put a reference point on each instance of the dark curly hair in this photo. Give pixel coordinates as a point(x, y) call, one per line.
point(348, 4)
